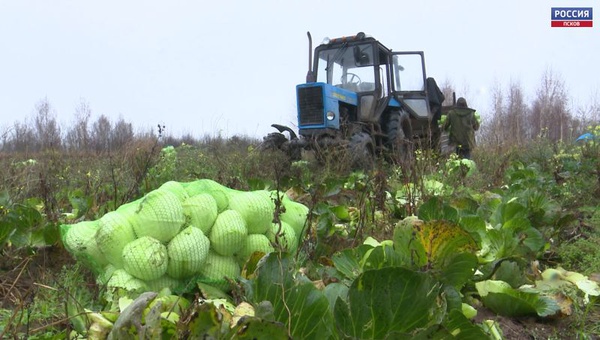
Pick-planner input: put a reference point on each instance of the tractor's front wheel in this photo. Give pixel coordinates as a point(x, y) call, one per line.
point(278, 141)
point(361, 151)
point(399, 143)
point(272, 141)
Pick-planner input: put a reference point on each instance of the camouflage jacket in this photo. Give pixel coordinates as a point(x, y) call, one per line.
point(461, 125)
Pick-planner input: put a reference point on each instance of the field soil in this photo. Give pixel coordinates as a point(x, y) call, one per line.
point(26, 278)
point(529, 327)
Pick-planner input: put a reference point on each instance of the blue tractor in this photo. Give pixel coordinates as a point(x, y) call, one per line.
point(361, 96)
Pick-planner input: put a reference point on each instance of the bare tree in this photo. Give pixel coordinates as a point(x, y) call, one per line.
point(516, 113)
point(550, 116)
point(121, 134)
point(78, 136)
point(46, 128)
point(448, 90)
point(593, 112)
point(21, 138)
point(188, 139)
point(4, 143)
point(101, 131)
point(590, 113)
point(491, 131)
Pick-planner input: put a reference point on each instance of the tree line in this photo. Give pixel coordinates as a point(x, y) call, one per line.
point(42, 132)
point(511, 120)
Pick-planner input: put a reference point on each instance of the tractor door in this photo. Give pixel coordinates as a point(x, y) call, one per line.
point(409, 83)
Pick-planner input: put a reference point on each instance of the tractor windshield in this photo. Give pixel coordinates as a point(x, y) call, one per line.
point(348, 67)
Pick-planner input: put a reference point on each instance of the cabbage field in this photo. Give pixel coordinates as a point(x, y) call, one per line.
point(216, 240)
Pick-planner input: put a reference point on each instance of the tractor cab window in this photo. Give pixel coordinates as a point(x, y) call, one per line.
point(408, 72)
point(348, 67)
point(409, 82)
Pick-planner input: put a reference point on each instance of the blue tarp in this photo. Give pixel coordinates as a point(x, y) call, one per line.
point(585, 137)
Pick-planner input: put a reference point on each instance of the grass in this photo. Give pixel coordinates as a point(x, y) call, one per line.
point(41, 299)
point(579, 251)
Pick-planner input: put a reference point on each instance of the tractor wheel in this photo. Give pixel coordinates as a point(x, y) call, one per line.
point(272, 141)
point(361, 151)
point(399, 134)
point(277, 141)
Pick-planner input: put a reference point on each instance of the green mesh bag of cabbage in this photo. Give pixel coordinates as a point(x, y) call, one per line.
point(184, 233)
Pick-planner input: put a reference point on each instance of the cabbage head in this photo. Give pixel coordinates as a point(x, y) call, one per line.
point(187, 253)
point(145, 258)
point(256, 207)
point(254, 243)
point(284, 237)
point(218, 269)
point(160, 216)
point(80, 241)
point(202, 211)
point(114, 232)
point(175, 188)
point(229, 233)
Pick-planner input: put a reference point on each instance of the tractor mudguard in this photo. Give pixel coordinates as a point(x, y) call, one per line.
point(282, 128)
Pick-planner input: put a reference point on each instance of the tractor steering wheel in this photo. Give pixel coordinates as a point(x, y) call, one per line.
point(350, 80)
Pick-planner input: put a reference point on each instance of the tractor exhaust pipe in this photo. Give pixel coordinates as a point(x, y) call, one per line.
point(310, 76)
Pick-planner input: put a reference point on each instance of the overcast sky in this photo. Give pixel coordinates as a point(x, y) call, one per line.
point(231, 67)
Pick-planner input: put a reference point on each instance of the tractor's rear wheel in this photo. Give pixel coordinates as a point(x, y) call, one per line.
point(399, 137)
point(361, 151)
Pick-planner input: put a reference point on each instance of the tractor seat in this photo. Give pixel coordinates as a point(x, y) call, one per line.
point(365, 86)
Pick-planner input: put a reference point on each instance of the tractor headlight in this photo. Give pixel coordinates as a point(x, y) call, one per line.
point(330, 115)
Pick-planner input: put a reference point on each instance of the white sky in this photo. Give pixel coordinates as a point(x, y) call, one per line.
point(231, 67)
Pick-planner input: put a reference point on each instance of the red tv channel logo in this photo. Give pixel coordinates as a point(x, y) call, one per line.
point(572, 17)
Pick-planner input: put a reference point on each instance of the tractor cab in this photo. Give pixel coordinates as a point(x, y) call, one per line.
point(360, 80)
point(362, 92)
point(354, 66)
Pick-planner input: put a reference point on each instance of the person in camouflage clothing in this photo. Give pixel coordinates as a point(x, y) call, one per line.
point(461, 124)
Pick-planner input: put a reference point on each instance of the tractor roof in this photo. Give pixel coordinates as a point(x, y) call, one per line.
point(357, 38)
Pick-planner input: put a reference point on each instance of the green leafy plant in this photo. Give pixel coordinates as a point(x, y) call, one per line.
point(501, 298)
point(477, 240)
point(296, 301)
point(391, 301)
point(23, 225)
